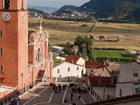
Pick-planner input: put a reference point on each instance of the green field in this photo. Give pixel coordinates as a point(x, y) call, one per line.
point(117, 55)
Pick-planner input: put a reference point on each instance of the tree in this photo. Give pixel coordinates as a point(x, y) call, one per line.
point(89, 44)
point(68, 49)
point(79, 41)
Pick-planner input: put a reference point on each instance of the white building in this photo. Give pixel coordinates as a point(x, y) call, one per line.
point(128, 80)
point(57, 48)
point(68, 72)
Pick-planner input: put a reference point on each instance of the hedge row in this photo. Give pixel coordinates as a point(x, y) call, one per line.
point(109, 49)
point(116, 59)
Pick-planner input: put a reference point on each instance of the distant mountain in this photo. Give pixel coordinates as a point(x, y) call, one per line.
point(114, 10)
point(118, 10)
point(110, 8)
point(44, 9)
point(99, 5)
point(66, 9)
point(134, 16)
point(37, 13)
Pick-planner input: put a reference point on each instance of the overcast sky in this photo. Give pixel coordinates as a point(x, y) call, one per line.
point(56, 3)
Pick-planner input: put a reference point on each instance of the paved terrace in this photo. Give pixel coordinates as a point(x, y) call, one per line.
point(43, 94)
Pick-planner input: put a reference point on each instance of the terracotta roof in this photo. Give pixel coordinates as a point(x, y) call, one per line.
point(72, 59)
point(93, 64)
point(114, 67)
point(103, 72)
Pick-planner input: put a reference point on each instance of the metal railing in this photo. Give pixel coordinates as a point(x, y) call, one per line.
point(93, 93)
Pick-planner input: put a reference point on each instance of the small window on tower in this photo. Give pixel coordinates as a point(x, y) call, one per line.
point(6, 4)
point(1, 68)
point(0, 34)
point(0, 51)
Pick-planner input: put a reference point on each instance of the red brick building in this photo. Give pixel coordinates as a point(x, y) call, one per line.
point(23, 57)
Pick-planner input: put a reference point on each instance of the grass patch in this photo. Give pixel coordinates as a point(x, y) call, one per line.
point(117, 55)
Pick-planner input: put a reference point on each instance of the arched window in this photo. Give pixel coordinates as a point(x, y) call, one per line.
point(39, 56)
point(6, 4)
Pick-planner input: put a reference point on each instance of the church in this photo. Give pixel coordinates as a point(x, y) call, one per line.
point(24, 59)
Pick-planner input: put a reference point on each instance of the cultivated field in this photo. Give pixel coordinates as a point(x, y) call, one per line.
point(117, 55)
point(62, 32)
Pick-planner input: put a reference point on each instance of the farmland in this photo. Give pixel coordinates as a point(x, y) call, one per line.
point(62, 32)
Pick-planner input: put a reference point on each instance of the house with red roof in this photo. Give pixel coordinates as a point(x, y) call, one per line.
point(90, 65)
point(75, 60)
point(100, 80)
point(71, 70)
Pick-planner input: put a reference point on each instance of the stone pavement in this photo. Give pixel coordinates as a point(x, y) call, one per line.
point(43, 94)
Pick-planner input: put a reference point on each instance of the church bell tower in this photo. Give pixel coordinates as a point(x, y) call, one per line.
point(13, 42)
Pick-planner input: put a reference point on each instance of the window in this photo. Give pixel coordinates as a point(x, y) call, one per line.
point(6, 4)
point(0, 51)
point(39, 56)
point(137, 90)
point(77, 68)
point(58, 71)
point(68, 69)
point(1, 68)
point(0, 34)
point(135, 74)
point(120, 92)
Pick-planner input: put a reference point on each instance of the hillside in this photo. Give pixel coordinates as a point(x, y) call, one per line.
point(134, 16)
point(66, 9)
point(116, 10)
point(44, 9)
point(99, 5)
point(110, 8)
point(36, 13)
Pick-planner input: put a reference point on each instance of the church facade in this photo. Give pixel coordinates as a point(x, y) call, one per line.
point(24, 59)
